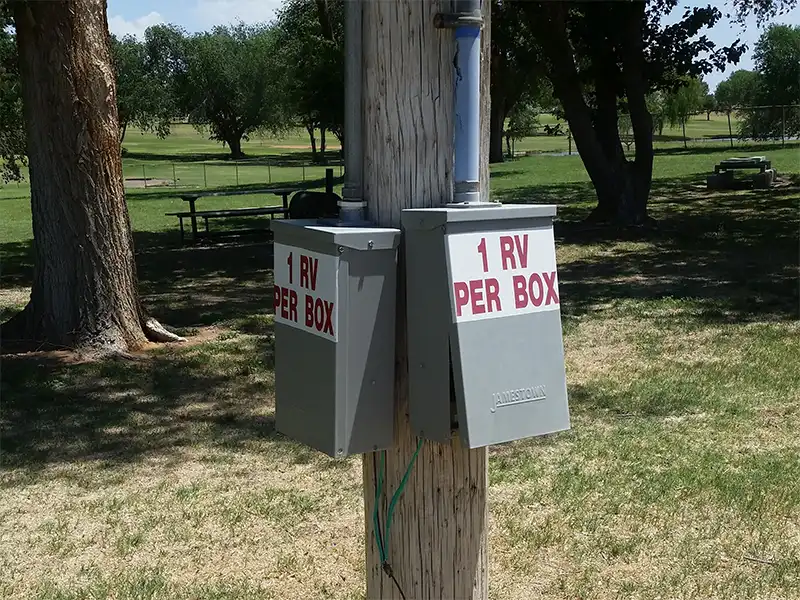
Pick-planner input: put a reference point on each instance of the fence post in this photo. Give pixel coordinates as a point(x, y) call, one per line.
point(236, 164)
point(304, 172)
point(730, 131)
point(569, 139)
point(269, 172)
point(329, 181)
point(174, 179)
point(205, 179)
point(783, 126)
point(683, 124)
point(144, 176)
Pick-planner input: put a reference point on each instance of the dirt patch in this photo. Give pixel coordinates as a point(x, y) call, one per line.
point(141, 182)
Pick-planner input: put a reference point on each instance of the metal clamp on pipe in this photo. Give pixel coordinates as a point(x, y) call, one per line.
point(467, 13)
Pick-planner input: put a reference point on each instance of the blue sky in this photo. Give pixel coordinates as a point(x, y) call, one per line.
point(134, 16)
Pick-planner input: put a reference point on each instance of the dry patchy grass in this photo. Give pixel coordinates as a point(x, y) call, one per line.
point(165, 479)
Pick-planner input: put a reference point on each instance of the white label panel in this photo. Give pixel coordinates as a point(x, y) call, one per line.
point(502, 273)
point(306, 290)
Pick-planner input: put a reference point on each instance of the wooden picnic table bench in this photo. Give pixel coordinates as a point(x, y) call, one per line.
point(193, 214)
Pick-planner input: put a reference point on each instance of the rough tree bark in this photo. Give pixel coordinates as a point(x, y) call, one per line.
point(622, 187)
point(235, 144)
point(84, 292)
point(497, 117)
point(438, 546)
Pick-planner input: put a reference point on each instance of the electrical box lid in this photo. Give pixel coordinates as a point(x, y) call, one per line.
point(430, 218)
point(347, 236)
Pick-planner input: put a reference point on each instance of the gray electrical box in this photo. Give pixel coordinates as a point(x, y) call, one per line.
point(335, 296)
point(485, 351)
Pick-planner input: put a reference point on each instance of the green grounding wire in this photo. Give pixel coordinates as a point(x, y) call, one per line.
point(383, 544)
point(375, 520)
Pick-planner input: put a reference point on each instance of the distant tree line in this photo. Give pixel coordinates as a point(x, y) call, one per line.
point(236, 81)
point(612, 70)
point(230, 83)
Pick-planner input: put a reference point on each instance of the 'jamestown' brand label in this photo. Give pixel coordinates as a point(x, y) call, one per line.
point(518, 396)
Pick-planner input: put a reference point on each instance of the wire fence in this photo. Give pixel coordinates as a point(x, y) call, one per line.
point(746, 126)
point(194, 175)
point(185, 175)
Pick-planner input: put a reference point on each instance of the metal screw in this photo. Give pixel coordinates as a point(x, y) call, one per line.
point(341, 249)
point(370, 244)
point(340, 452)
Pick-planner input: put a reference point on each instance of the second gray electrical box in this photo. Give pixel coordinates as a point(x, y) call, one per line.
point(335, 296)
point(485, 351)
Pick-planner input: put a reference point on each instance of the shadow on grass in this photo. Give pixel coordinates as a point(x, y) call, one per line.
point(733, 253)
point(332, 158)
point(739, 149)
point(116, 411)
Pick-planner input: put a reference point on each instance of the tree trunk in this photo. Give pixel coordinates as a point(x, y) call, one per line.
point(235, 144)
point(322, 145)
point(497, 107)
point(633, 208)
point(498, 119)
point(683, 127)
point(310, 130)
point(122, 131)
point(438, 547)
point(84, 292)
point(622, 188)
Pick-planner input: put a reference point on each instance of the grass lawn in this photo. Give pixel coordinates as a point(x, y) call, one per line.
point(164, 477)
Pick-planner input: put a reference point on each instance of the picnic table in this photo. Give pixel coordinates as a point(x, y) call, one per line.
point(753, 162)
point(723, 176)
point(193, 214)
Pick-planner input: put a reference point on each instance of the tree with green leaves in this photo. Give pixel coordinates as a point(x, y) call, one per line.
point(598, 53)
point(777, 61)
point(228, 84)
point(741, 88)
point(684, 101)
point(517, 76)
point(522, 122)
point(142, 99)
point(709, 104)
point(12, 131)
point(311, 55)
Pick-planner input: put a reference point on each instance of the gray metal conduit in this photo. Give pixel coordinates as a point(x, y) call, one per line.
point(352, 204)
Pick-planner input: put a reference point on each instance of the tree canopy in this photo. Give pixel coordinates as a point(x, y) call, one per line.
point(142, 99)
point(311, 56)
point(739, 89)
point(12, 130)
point(228, 83)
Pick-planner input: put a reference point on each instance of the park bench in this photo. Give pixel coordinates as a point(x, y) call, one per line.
point(193, 214)
point(723, 176)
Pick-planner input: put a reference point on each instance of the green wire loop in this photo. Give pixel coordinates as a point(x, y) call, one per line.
point(396, 497)
point(376, 527)
point(383, 545)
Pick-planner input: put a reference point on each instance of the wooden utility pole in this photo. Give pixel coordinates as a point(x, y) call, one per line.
point(437, 548)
